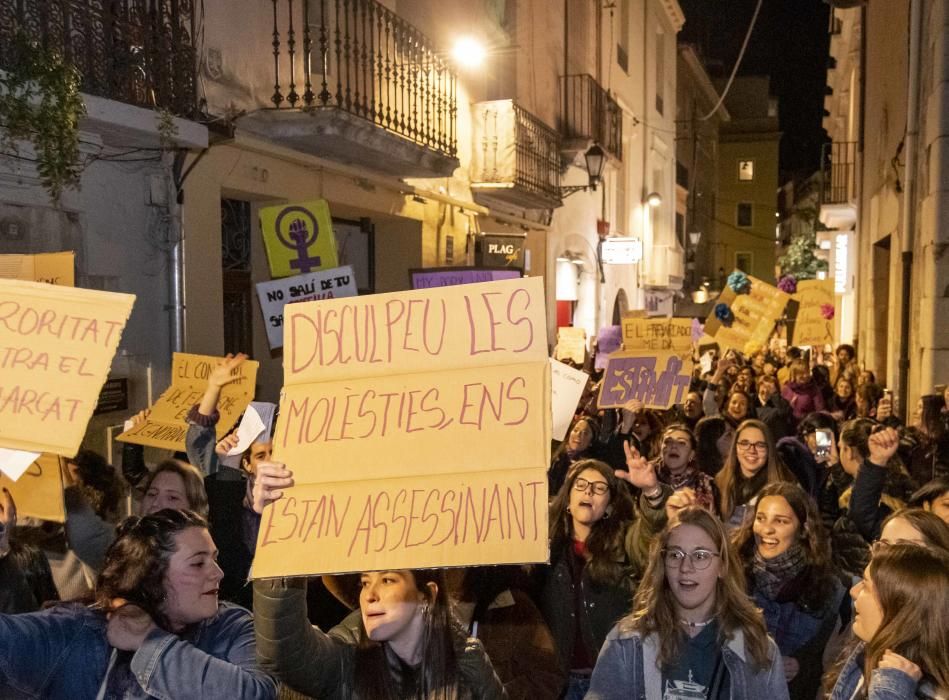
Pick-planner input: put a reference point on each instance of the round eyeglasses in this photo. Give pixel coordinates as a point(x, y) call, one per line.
point(700, 558)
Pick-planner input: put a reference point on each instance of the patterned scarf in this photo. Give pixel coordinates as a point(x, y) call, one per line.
point(771, 575)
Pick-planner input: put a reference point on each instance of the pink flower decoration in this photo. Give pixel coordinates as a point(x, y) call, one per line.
point(827, 311)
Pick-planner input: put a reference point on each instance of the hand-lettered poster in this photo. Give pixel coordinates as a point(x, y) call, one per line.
point(56, 347)
point(650, 335)
point(38, 493)
point(571, 345)
point(326, 284)
point(166, 427)
point(428, 277)
point(298, 238)
point(566, 389)
point(659, 379)
point(417, 427)
point(745, 313)
point(52, 268)
point(814, 324)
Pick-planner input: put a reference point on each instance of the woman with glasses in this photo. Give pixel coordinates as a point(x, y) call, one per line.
point(899, 649)
point(786, 556)
point(693, 632)
point(676, 466)
point(589, 583)
point(751, 465)
point(576, 447)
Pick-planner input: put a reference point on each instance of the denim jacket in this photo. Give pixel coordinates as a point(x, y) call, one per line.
point(885, 683)
point(63, 654)
point(628, 669)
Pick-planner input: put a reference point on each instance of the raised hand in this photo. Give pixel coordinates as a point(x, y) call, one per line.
point(221, 374)
point(682, 498)
point(639, 472)
point(226, 444)
point(271, 479)
point(140, 417)
point(883, 445)
point(128, 625)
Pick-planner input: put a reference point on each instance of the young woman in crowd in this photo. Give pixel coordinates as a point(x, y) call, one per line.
point(934, 497)
point(155, 629)
point(403, 644)
point(771, 409)
point(924, 444)
point(802, 392)
point(900, 649)
point(590, 580)
point(737, 404)
point(676, 466)
point(843, 404)
point(751, 465)
point(174, 484)
point(576, 447)
point(786, 556)
point(867, 399)
point(914, 526)
point(26, 581)
point(693, 629)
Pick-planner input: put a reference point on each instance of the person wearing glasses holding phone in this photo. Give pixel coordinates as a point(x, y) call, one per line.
point(751, 465)
point(693, 631)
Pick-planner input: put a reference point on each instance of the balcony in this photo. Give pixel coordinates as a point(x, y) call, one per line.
point(138, 52)
point(515, 157)
point(355, 83)
point(838, 191)
point(589, 115)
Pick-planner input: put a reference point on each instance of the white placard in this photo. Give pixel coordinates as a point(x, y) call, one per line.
point(566, 388)
point(325, 284)
point(257, 421)
point(14, 462)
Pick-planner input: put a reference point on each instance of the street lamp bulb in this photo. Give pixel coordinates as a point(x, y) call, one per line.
point(468, 52)
point(654, 199)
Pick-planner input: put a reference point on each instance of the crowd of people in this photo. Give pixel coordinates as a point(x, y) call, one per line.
point(781, 533)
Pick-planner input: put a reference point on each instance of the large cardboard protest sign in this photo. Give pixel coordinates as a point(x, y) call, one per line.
point(426, 278)
point(166, 426)
point(571, 344)
point(38, 493)
point(417, 427)
point(658, 335)
point(52, 268)
point(566, 390)
point(298, 238)
point(56, 347)
point(816, 303)
point(274, 295)
point(659, 379)
point(753, 316)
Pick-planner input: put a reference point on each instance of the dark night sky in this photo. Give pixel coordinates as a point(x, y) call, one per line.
point(789, 43)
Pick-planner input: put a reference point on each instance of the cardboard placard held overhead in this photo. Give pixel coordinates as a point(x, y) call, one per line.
point(298, 238)
point(648, 335)
point(566, 389)
point(810, 326)
point(417, 427)
point(38, 493)
point(56, 347)
point(755, 314)
point(426, 278)
point(166, 426)
point(571, 344)
point(325, 284)
point(658, 379)
point(52, 268)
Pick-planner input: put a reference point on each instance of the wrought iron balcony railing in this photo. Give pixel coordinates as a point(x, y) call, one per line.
point(589, 112)
point(360, 57)
point(838, 172)
point(139, 52)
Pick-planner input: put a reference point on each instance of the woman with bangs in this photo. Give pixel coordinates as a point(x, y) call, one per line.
point(677, 467)
point(786, 555)
point(693, 631)
point(751, 465)
point(900, 650)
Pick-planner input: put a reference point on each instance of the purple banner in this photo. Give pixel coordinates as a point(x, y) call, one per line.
point(659, 381)
point(451, 276)
point(608, 340)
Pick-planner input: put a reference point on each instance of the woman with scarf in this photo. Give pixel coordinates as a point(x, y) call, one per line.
point(786, 555)
point(802, 392)
point(676, 466)
point(843, 404)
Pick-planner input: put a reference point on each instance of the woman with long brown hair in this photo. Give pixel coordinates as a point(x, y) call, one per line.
point(901, 649)
point(693, 629)
point(751, 465)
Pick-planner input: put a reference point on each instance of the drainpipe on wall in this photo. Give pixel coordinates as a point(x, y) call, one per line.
point(909, 196)
point(176, 257)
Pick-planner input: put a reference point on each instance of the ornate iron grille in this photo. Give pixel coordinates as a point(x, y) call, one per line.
point(838, 172)
point(360, 57)
point(236, 275)
point(589, 112)
point(538, 155)
point(140, 52)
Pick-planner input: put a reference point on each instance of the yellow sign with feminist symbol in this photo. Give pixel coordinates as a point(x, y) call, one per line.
point(298, 238)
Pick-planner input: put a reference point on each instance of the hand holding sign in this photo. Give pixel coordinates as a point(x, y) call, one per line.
point(226, 444)
point(271, 479)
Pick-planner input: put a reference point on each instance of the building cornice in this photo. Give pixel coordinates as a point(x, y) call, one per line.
point(674, 13)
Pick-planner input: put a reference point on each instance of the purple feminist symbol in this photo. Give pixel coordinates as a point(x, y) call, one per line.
point(300, 238)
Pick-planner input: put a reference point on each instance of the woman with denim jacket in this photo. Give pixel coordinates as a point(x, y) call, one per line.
point(155, 630)
point(693, 631)
point(900, 650)
point(786, 555)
